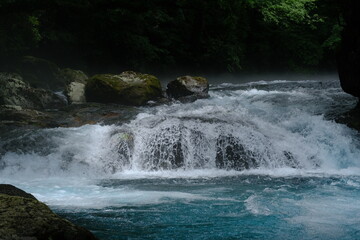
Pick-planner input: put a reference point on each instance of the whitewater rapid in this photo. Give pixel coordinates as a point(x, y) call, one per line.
point(270, 127)
point(264, 160)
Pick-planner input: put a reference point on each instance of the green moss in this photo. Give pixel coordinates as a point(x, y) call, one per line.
point(25, 217)
point(128, 88)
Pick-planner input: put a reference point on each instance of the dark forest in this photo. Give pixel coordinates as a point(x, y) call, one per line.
point(160, 36)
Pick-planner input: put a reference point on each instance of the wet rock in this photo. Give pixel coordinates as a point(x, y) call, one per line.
point(75, 92)
point(188, 88)
point(164, 150)
point(11, 115)
point(40, 73)
point(14, 91)
point(76, 115)
point(231, 154)
point(123, 142)
point(24, 217)
point(75, 85)
point(70, 75)
point(127, 88)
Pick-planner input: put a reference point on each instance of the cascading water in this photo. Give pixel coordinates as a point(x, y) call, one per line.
point(255, 160)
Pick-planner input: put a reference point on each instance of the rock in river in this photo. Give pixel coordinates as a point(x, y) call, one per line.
point(24, 217)
point(127, 88)
point(188, 88)
point(75, 85)
point(14, 91)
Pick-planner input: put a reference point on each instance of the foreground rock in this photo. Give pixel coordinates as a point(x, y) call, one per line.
point(75, 85)
point(128, 88)
point(188, 88)
point(14, 91)
point(24, 217)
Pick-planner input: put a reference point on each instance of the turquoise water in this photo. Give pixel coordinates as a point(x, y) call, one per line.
point(238, 207)
point(257, 160)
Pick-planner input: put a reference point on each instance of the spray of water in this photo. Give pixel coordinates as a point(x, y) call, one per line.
point(262, 126)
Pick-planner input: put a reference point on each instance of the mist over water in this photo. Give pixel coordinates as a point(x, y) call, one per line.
point(262, 159)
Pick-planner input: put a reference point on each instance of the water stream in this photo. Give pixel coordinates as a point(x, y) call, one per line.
point(257, 160)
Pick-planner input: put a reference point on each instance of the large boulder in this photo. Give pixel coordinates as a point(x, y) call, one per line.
point(188, 88)
point(14, 91)
point(128, 88)
point(40, 73)
point(75, 85)
point(24, 217)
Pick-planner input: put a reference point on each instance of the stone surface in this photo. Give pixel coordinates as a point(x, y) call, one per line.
point(75, 92)
point(188, 88)
point(11, 115)
point(23, 217)
point(75, 85)
point(231, 154)
point(127, 88)
point(14, 91)
point(70, 75)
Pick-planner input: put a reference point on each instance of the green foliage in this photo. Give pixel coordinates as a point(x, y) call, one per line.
point(288, 12)
point(223, 35)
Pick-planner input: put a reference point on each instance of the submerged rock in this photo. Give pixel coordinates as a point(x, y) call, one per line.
point(14, 91)
point(24, 217)
point(164, 150)
point(231, 154)
point(128, 88)
point(188, 88)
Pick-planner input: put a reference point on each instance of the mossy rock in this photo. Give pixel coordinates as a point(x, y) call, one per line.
point(128, 88)
point(70, 75)
point(27, 218)
point(188, 86)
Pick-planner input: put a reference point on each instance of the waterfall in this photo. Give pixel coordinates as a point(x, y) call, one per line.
point(241, 127)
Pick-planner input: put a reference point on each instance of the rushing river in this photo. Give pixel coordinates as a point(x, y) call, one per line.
point(257, 160)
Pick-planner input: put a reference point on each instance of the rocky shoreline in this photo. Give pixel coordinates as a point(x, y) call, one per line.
point(40, 94)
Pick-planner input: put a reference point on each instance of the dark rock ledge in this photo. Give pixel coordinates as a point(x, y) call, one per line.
point(23, 217)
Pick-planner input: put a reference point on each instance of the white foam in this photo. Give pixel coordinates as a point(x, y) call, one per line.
point(275, 126)
point(255, 206)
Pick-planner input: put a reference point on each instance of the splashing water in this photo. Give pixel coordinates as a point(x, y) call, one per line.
point(256, 160)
